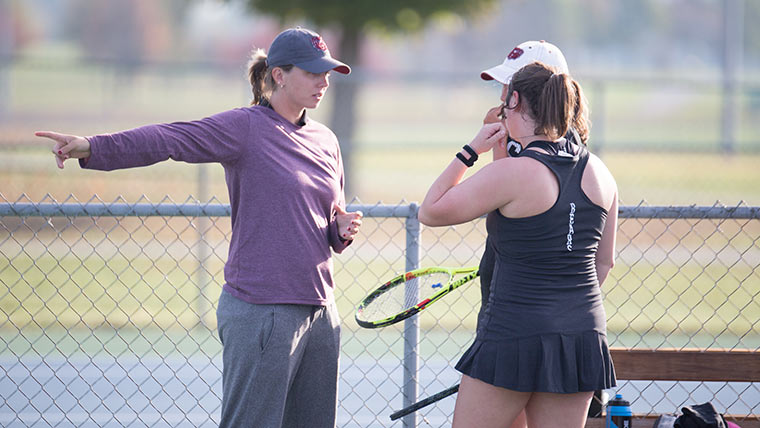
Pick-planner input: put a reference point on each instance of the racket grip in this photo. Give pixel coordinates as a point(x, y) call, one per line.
point(425, 402)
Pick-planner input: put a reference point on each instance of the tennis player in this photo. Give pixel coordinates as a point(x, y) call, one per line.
point(277, 318)
point(541, 345)
point(520, 56)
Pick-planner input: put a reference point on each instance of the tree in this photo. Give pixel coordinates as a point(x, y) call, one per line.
point(353, 20)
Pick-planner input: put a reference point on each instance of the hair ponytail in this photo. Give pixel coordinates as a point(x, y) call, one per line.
point(554, 100)
point(257, 75)
point(580, 122)
point(554, 107)
point(260, 76)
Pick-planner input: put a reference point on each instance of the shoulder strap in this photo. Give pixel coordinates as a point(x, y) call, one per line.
point(558, 151)
point(549, 146)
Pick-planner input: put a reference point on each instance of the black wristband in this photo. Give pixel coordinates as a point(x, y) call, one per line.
point(473, 153)
point(473, 156)
point(468, 162)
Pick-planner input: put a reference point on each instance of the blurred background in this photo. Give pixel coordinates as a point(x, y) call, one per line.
point(673, 87)
point(103, 312)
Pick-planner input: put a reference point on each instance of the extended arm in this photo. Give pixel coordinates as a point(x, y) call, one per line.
point(217, 138)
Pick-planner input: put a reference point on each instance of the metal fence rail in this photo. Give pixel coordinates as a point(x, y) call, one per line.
point(107, 309)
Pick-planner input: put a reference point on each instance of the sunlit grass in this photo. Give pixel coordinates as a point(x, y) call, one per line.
point(95, 287)
point(391, 175)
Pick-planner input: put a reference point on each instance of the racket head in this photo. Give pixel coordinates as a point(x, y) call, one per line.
point(409, 293)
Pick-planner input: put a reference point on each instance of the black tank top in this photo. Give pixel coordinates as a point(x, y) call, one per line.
point(544, 277)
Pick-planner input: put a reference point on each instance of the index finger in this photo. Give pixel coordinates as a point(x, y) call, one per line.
point(49, 134)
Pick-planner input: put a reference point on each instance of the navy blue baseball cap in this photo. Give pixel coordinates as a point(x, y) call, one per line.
point(305, 49)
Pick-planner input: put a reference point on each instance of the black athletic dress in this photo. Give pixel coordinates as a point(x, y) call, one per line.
point(543, 327)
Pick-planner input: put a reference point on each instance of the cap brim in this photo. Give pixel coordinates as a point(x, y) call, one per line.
point(500, 73)
point(326, 63)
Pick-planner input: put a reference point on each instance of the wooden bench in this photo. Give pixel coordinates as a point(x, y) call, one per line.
point(686, 365)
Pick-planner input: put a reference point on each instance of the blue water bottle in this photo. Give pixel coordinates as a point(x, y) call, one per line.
point(619, 413)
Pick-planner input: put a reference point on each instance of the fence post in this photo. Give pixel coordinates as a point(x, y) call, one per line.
point(411, 326)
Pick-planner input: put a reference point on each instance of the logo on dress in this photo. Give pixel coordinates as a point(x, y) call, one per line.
point(516, 53)
point(570, 230)
point(318, 43)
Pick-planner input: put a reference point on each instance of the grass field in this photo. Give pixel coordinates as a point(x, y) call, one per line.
point(672, 277)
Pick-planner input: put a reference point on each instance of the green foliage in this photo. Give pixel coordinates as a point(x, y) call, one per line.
point(358, 15)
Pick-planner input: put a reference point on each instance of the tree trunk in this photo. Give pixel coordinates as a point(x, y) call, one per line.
point(343, 115)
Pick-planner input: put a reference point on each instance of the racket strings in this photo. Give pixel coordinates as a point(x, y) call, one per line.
point(404, 296)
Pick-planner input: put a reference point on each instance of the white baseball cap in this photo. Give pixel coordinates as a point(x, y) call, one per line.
point(526, 53)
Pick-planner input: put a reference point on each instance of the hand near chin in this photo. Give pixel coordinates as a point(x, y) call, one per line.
point(493, 115)
point(490, 135)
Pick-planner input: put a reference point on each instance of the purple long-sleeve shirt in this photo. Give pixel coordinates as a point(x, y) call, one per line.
point(283, 182)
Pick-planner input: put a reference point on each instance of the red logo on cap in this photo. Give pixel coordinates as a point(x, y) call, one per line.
point(516, 53)
point(318, 43)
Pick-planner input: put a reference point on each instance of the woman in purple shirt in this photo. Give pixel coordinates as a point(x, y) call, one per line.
point(276, 315)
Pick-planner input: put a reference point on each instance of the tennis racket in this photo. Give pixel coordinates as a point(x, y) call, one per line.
point(424, 403)
point(409, 293)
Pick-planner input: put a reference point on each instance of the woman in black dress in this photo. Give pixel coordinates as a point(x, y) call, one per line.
point(541, 343)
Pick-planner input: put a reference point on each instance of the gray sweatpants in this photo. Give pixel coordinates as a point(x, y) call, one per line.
point(280, 364)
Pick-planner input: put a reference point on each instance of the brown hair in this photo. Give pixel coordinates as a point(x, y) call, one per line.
point(260, 76)
point(554, 100)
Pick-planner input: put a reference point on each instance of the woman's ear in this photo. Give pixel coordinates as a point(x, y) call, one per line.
point(514, 100)
point(277, 76)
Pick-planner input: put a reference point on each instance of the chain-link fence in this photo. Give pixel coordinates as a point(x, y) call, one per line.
point(107, 310)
